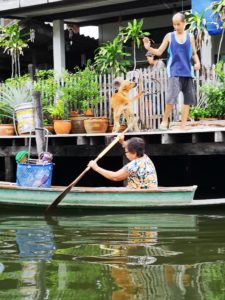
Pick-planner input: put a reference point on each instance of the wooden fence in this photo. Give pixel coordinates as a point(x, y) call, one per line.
point(150, 108)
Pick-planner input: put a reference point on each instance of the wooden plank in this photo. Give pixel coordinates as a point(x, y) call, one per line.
point(86, 150)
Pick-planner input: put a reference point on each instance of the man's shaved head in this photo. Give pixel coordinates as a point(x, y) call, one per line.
point(179, 17)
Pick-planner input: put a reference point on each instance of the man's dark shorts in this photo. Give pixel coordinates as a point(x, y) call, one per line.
point(181, 84)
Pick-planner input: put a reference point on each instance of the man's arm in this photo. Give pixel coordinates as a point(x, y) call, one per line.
point(160, 50)
point(195, 57)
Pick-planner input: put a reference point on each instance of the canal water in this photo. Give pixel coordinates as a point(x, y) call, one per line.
point(115, 256)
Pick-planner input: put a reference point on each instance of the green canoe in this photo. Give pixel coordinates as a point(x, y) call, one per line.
point(102, 197)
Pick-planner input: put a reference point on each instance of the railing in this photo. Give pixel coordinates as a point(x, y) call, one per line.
point(150, 108)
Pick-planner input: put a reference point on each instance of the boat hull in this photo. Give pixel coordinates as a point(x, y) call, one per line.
point(81, 197)
point(15, 197)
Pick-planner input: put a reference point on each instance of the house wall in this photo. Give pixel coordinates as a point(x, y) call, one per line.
point(216, 41)
point(108, 31)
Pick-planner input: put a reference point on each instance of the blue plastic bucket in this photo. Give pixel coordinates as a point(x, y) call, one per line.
point(34, 175)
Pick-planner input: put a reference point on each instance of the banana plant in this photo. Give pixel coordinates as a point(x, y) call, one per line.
point(133, 31)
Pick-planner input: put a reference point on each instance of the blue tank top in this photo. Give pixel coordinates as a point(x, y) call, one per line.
point(180, 55)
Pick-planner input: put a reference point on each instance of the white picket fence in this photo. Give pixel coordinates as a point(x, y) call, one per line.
point(150, 108)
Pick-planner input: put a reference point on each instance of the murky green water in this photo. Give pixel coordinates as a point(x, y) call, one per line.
point(126, 256)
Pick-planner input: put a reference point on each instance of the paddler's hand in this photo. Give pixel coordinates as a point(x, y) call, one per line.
point(93, 165)
point(121, 138)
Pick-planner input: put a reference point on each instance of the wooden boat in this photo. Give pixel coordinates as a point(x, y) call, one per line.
point(102, 197)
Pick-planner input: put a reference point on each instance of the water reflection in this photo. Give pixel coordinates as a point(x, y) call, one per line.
point(142, 256)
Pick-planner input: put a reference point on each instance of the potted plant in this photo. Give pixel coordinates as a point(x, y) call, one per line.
point(6, 120)
point(59, 113)
point(86, 97)
point(17, 104)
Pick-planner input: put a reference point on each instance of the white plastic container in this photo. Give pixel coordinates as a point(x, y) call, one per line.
point(25, 118)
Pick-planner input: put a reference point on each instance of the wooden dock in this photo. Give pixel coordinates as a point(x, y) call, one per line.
point(200, 138)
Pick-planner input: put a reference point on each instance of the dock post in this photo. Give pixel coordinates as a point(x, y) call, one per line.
point(38, 121)
point(9, 168)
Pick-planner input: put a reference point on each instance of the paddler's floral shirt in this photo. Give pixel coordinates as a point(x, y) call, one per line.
point(142, 173)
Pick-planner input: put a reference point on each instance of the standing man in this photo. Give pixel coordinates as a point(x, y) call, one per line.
point(181, 50)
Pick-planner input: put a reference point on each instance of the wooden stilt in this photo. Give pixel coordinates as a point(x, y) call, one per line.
point(9, 168)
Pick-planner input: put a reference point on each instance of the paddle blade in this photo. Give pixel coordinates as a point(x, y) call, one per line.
point(58, 199)
point(65, 192)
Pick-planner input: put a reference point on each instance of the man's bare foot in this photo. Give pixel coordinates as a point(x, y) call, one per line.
point(163, 126)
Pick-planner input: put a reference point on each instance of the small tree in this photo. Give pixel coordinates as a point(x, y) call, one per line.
point(13, 42)
point(133, 31)
point(197, 26)
point(112, 57)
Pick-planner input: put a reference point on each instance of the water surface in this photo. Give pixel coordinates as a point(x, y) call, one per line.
point(119, 256)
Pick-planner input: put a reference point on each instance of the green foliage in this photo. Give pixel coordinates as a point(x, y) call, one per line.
point(6, 116)
point(133, 31)
point(219, 68)
point(111, 57)
point(11, 95)
point(58, 110)
point(197, 26)
point(197, 113)
point(79, 90)
point(86, 90)
point(214, 95)
point(18, 81)
point(13, 42)
point(47, 85)
point(218, 7)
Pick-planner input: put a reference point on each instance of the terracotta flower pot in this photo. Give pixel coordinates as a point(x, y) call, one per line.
point(78, 124)
point(50, 128)
point(62, 126)
point(96, 125)
point(6, 129)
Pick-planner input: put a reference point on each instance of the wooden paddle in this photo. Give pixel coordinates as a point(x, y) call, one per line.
point(67, 190)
